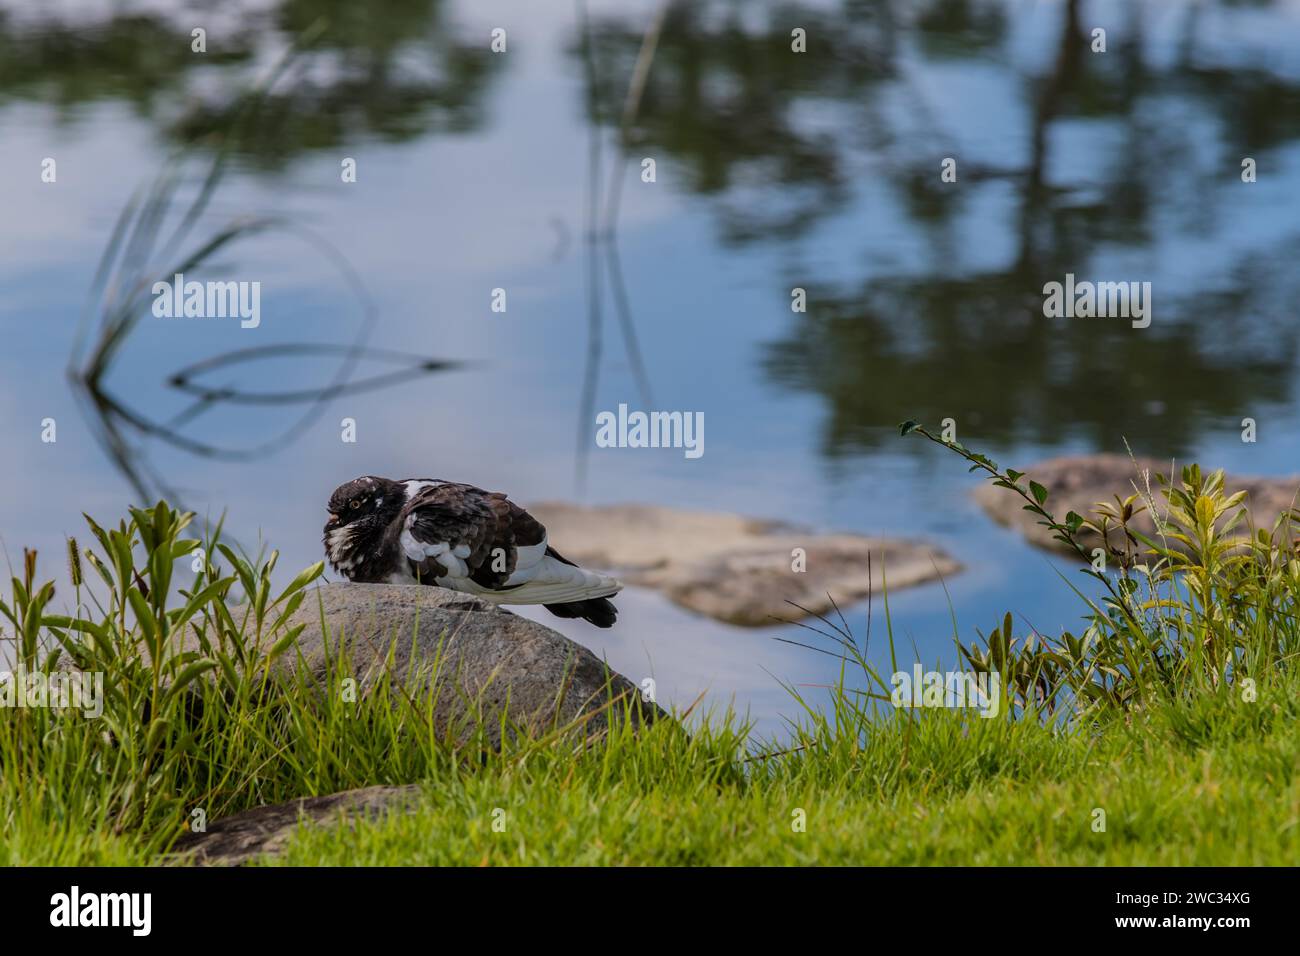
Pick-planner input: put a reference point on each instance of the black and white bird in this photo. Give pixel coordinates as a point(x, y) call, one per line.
point(428, 531)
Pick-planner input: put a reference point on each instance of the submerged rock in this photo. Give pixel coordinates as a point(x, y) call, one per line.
point(735, 569)
point(1078, 482)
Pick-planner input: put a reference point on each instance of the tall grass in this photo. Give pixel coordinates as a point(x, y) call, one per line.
point(198, 715)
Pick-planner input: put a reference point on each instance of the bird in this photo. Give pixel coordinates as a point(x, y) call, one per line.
point(459, 537)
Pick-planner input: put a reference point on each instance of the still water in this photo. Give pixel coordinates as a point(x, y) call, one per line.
point(479, 171)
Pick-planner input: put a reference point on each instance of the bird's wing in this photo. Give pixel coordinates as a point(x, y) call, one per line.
point(462, 533)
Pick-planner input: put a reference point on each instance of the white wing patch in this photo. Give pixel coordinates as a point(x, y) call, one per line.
point(417, 485)
point(451, 558)
point(528, 561)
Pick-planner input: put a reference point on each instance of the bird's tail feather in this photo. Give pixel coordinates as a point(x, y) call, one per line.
point(557, 581)
point(598, 611)
point(558, 584)
point(555, 592)
point(563, 588)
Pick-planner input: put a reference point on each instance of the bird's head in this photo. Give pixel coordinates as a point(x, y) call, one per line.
point(359, 511)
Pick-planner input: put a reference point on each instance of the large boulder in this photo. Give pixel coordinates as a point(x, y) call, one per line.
point(736, 569)
point(483, 659)
point(1078, 482)
point(483, 662)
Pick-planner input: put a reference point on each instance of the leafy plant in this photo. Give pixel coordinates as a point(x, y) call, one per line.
point(1190, 608)
point(154, 656)
point(198, 714)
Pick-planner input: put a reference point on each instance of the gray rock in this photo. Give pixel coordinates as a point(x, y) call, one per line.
point(736, 569)
point(1078, 482)
point(488, 660)
point(240, 837)
point(482, 660)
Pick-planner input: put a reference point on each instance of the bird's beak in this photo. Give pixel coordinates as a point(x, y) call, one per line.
point(332, 520)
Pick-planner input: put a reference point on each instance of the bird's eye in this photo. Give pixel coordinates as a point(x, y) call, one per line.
point(354, 504)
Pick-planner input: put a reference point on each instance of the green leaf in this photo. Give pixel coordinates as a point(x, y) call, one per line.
point(184, 548)
point(158, 729)
point(143, 615)
point(304, 578)
point(907, 427)
point(213, 592)
point(1039, 492)
point(284, 643)
point(187, 676)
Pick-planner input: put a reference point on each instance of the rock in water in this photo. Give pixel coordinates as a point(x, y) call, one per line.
point(1078, 482)
point(735, 569)
point(488, 657)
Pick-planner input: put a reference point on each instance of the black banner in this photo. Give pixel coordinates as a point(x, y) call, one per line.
point(223, 905)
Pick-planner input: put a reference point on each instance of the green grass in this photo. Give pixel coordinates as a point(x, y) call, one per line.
point(1194, 785)
point(1208, 784)
point(1174, 713)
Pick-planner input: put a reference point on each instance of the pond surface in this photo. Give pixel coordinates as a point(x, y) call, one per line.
point(773, 170)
